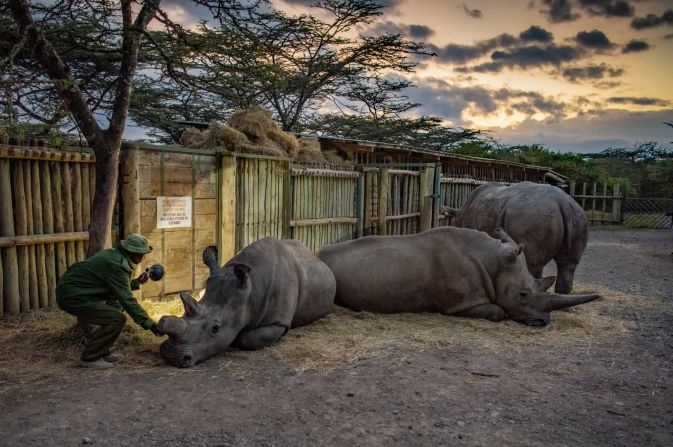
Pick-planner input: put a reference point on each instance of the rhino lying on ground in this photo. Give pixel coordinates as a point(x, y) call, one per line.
point(454, 271)
point(546, 220)
point(270, 286)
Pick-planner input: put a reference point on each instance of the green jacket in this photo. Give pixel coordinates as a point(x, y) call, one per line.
point(105, 276)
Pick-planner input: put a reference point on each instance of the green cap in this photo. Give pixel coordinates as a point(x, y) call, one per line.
point(136, 243)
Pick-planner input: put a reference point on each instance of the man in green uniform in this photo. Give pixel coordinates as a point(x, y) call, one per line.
point(98, 289)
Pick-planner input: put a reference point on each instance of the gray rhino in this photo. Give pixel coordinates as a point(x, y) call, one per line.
point(549, 223)
point(270, 286)
point(455, 271)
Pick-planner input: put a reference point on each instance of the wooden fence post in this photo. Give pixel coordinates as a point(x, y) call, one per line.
point(226, 207)
point(425, 198)
point(21, 229)
point(617, 204)
point(130, 198)
point(10, 267)
point(571, 189)
point(38, 228)
point(436, 193)
point(368, 205)
point(48, 225)
point(383, 201)
point(360, 205)
point(58, 210)
point(287, 199)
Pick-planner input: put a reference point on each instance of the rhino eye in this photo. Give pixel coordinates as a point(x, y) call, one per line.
point(214, 329)
point(524, 292)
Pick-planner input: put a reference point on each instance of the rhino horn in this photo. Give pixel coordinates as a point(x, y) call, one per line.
point(556, 301)
point(210, 258)
point(172, 326)
point(191, 305)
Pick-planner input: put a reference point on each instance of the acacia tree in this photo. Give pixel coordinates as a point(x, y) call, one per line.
point(30, 21)
point(292, 64)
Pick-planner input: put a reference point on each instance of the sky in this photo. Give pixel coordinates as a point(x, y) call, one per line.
point(574, 75)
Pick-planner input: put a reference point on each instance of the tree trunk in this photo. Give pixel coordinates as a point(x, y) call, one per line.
point(102, 208)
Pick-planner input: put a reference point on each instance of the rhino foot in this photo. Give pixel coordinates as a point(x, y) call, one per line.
point(259, 338)
point(487, 311)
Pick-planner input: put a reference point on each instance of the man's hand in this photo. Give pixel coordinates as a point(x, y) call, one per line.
point(144, 277)
point(155, 330)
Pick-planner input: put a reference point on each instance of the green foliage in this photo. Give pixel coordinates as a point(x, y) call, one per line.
point(425, 132)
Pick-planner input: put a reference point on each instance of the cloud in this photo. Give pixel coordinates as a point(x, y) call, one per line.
point(456, 53)
point(592, 132)
point(413, 31)
point(420, 31)
point(638, 101)
point(608, 8)
point(534, 55)
point(474, 13)
point(559, 11)
point(594, 39)
point(652, 20)
point(635, 46)
point(536, 33)
point(591, 72)
point(450, 101)
point(607, 84)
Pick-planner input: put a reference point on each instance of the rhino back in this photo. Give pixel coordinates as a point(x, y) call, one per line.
point(290, 285)
point(542, 217)
point(416, 273)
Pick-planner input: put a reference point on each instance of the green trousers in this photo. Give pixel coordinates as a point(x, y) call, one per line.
point(107, 315)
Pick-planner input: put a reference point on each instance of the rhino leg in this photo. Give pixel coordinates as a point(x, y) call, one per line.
point(536, 271)
point(487, 311)
point(564, 277)
point(259, 338)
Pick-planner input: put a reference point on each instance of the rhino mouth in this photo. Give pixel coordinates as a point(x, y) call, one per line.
point(177, 355)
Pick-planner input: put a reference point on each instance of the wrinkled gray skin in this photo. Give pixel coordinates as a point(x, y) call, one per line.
point(270, 286)
point(455, 271)
point(546, 220)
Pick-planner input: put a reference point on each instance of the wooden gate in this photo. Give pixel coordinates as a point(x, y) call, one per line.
point(647, 213)
point(602, 204)
point(152, 172)
point(453, 193)
point(262, 198)
point(324, 206)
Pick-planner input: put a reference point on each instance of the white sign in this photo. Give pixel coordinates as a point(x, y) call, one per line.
point(174, 212)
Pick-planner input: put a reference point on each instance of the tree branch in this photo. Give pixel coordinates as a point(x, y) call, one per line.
point(130, 44)
point(52, 64)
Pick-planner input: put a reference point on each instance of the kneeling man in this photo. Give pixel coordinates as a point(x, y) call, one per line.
point(98, 289)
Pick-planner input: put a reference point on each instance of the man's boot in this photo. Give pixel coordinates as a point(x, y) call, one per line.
point(96, 364)
point(114, 357)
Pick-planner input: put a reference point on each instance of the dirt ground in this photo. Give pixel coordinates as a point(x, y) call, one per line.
point(477, 383)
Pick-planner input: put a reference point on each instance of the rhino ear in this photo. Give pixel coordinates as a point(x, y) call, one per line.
point(241, 272)
point(191, 305)
point(510, 252)
point(546, 282)
point(449, 212)
point(210, 258)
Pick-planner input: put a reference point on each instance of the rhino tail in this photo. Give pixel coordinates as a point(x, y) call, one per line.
point(571, 219)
